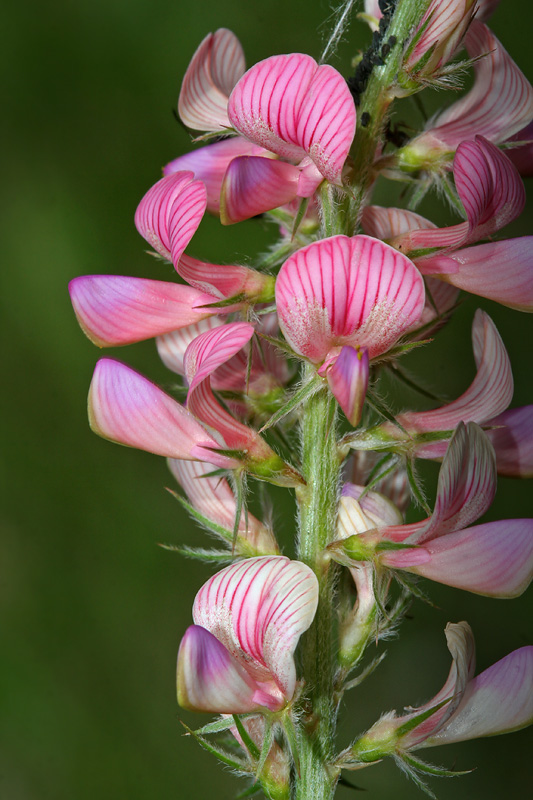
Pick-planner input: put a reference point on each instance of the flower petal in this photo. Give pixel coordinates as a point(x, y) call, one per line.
point(210, 679)
point(170, 212)
point(211, 349)
point(494, 559)
point(499, 700)
point(347, 378)
point(489, 393)
point(478, 270)
point(225, 280)
point(258, 609)
point(214, 70)
point(214, 499)
point(513, 441)
point(209, 164)
point(347, 291)
point(293, 107)
point(172, 346)
point(253, 185)
point(387, 223)
point(128, 409)
point(117, 310)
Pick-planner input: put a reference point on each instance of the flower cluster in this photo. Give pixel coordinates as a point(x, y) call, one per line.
point(349, 289)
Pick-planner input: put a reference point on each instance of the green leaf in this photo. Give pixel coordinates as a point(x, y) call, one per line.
point(222, 755)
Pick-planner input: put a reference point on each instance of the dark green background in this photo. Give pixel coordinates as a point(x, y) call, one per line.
point(92, 610)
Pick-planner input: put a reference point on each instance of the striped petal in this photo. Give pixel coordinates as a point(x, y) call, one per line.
point(499, 104)
point(170, 212)
point(293, 107)
point(499, 700)
point(253, 185)
point(117, 310)
point(489, 393)
point(466, 488)
point(495, 559)
point(214, 499)
point(226, 280)
point(347, 291)
point(214, 70)
point(478, 270)
point(438, 35)
point(211, 349)
point(128, 409)
point(210, 679)
point(258, 609)
point(388, 223)
point(347, 378)
point(172, 346)
point(209, 164)
point(512, 439)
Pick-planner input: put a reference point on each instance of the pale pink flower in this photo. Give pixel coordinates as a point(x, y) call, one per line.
point(238, 657)
point(347, 294)
point(499, 700)
point(438, 36)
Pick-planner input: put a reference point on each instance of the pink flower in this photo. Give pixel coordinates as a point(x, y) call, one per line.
point(499, 700)
point(493, 195)
point(438, 36)
point(248, 618)
point(340, 297)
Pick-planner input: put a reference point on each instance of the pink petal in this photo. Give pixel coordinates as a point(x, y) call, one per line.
point(214, 70)
point(499, 104)
point(293, 107)
point(341, 291)
point(211, 679)
point(170, 212)
point(258, 609)
point(213, 497)
point(253, 185)
point(466, 488)
point(440, 30)
point(388, 223)
point(489, 393)
point(213, 348)
point(117, 310)
point(513, 441)
point(485, 9)
point(489, 186)
point(495, 559)
point(348, 380)
point(209, 164)
point(522, 156)
point(501, 271)
point(444, 297)
point(378, 507)
point(172, 346)
point(128, 409)
point(499, 700)
point(225, 280)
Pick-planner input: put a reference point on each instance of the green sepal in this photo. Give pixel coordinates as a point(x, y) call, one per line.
point(293, 402)
point(402, 376)
point(225, 133)
point(416, 489)
point(252, 790)
point(222, 755)
point(302, 208)
point(291, 735)
point(351, 550)
point(265, 749)
point(235, 299)
point(385, 544)
point(218, 726)
point(431, 769)
point(413, 723)
point(344, 782)
point(400, 350)
point(245, 736)
point(218, 530)
point(375, 403)
point(365, 673)
point(384, 467)
point(374, 438)
point(201, 554)
point(280, 344)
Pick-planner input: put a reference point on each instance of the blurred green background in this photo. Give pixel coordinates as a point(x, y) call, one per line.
point(92, 610)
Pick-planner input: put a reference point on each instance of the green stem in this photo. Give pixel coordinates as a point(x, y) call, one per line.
point(374, 106)
point(318, 501)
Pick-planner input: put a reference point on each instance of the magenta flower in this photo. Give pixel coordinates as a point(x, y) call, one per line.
point(248, 618)
point(493, 195)
point(499, 105)
point(499, 700)
point(309, 121)
point(340, 297)
point(128, 409)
